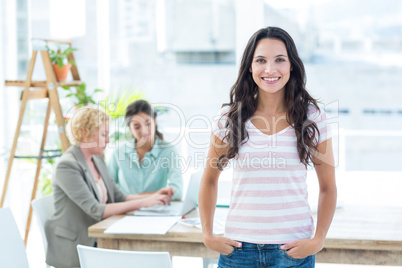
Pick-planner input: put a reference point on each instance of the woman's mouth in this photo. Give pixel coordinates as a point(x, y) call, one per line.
point(270, 79)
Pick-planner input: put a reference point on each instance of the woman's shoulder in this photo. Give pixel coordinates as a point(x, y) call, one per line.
point(316, 113)
point(69, 160)
point(69, 156)
point(221, 117)
point(220, 120)
point(314, 110)
point(224, 110)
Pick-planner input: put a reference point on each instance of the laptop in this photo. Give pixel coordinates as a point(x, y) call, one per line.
point(176, 208)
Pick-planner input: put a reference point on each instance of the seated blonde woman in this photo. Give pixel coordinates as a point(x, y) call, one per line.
point(83, 190)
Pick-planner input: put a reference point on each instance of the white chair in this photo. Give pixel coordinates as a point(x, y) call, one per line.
point(43, 208)
point(91, 257)
point(12, 248)
point(208, 263)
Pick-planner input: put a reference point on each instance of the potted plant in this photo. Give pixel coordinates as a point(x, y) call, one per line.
point(60, 61)
point(80, 94)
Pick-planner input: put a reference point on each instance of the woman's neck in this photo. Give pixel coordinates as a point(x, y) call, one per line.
point(87, 154)
point(146, 147)
point(271, 104)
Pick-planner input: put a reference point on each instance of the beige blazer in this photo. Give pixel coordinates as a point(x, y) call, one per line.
point(77, 206)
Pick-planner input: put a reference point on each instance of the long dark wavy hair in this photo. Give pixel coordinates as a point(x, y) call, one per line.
point(141, 106)
point(244, 93)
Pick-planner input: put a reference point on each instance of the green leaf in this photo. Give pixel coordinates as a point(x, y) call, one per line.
point(59, 62)
point(68, 51)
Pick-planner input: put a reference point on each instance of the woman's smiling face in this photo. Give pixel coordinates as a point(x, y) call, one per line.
point(271, 66)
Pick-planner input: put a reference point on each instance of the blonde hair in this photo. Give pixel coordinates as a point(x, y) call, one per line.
point(84, 123)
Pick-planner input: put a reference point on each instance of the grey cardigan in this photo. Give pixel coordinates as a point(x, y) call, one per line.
point(77, 206)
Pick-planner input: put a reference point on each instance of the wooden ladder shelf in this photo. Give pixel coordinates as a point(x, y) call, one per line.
point(40, 90)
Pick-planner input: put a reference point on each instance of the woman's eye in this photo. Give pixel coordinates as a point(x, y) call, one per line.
point(261, 60)
point(280, 60)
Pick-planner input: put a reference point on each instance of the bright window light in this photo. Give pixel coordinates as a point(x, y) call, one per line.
point(67, 18)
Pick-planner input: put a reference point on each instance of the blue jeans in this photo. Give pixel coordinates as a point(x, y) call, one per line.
point(262, 255)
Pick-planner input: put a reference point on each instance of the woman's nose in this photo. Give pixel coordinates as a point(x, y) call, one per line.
point(269, 68)
point(145, 130)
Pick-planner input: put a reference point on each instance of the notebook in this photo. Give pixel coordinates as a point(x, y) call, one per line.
point(176, 208)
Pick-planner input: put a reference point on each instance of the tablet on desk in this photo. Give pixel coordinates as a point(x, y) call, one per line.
point(176, 208)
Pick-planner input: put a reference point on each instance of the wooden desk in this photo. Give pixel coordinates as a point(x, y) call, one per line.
point(358, 235)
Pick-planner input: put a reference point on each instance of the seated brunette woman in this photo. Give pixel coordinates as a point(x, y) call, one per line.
point(146, 163)
point(84, 193)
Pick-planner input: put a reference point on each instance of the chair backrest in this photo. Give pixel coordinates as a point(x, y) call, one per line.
point(12, 248)
point(43, 208)
point(91, 257)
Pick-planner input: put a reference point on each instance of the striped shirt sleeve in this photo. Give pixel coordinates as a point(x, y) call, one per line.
point(320, 118)
point(219, 123)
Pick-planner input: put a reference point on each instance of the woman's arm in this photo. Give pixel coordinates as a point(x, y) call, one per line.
point(136, 203)
point(164, 191)
point(207, 199)
point(138, 196)
point(324, 167)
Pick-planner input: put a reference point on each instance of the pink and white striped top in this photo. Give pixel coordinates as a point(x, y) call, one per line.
point(269, 200)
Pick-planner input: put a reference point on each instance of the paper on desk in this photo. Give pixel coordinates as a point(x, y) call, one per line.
point(142, 225)
point(219, 226)
point(219, 221)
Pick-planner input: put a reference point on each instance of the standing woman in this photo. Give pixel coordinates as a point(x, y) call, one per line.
point(147, 163)
point(84, 193)
point(272, 129)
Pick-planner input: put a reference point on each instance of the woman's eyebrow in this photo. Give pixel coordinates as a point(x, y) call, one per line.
point(280, 55)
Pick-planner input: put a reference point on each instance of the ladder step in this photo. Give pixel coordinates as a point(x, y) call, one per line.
point(51, 154)
point(40, 84)
point(21, 83)
point(36, 157)
point(36, 94)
